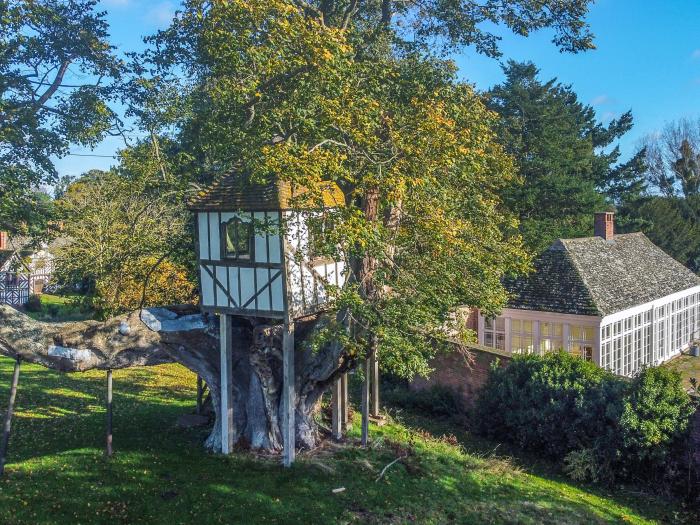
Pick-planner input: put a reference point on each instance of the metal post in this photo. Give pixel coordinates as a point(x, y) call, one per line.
point(108, 450)
point(288, 401)
point(337, 409)
point(374, 369)
point(200, 391)
point(226, 384)
point(8, 418)
point(365, 403)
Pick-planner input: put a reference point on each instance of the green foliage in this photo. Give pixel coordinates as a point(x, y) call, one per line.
point(604, 427)
point(128, 236)
point(436, 400)
point(552, 404)
point(655, 415)
point(565, 157)
point(56, 76)
point(33, 303)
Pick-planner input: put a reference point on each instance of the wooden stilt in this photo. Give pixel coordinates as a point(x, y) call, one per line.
point(200, 392)
point(337, 409)
point(374, 381)
point(226, 384)
point(288, 398)
point(8, 418)
point(108, 449)
point(365, 403)
point(345, 403)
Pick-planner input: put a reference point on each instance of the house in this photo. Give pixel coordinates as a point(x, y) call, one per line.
point(25, 269)
point(615, 299)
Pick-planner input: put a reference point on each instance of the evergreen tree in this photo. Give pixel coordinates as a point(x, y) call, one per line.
point(564, 156)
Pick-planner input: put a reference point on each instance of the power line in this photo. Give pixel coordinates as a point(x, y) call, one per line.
point(92, 155)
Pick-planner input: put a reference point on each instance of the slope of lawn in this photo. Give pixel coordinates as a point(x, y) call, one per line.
point(57, 473)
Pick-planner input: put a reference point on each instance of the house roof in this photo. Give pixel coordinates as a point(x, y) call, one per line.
point(592, 276)
point(234, 191)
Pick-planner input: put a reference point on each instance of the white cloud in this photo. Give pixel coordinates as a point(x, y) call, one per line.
point(114, 3)
point(162, 14)
point(695, 55)
point(600, 100)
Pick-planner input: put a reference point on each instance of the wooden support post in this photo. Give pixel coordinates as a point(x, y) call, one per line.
point(374, 381)
point(200, 393)
point(225, 334)
point(365, 403)
point(8, 418)
point(345, 403)
point(337, 409)
point(108, 450)
point(288, 398)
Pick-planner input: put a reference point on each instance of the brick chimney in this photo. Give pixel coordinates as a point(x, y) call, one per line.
point(604, 225)
point(4, 244)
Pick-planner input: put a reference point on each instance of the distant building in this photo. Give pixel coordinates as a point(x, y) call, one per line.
point(25, 269)
point(617, 300)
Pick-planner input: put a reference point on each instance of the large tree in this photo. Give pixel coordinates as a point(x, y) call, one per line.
point(56, 76)
point(566, 158)
point(313, 92)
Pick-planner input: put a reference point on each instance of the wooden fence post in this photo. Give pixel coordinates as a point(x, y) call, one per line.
point(200, 393)
point(337, 409)
point(8, 418)
point(108, 450)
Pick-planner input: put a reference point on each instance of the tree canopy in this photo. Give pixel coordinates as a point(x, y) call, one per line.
point(566, 159)
point(56, 75)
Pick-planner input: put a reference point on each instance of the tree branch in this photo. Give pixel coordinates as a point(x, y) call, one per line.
point(54, 85)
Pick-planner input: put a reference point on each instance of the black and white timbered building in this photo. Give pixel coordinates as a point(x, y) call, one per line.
point(256, 259)
point(25, 269)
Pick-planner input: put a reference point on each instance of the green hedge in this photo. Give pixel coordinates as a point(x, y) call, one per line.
point(600, 426)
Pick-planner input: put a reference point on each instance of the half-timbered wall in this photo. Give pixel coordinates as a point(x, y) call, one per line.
point(255, 286)
point(308, 276)
point(241, 286)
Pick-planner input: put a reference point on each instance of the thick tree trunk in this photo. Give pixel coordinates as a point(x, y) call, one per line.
point(179, 334)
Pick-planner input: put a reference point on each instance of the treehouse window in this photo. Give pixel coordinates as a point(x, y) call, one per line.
point(238, 237)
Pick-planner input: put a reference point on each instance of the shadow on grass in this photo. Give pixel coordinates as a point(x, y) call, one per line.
point(159, 474)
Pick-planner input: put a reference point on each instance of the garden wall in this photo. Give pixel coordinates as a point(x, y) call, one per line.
point(463, 372)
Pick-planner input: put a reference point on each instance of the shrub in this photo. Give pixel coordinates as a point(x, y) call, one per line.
point(605, 427)
point(437, 400)
point(655, 417)
point(552, 404)
point(33, 304)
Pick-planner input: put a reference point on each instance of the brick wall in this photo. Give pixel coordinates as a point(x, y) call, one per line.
point(464, 374)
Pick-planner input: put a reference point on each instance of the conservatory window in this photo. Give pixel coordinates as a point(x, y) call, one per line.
point(522, 336)
point(495, 333)
point(581, 340)
point(238, 236)
point(551, 337)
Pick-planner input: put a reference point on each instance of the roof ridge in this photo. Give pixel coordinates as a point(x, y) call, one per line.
point(580, 274)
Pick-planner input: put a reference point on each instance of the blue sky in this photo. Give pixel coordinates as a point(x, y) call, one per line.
point(647, 60)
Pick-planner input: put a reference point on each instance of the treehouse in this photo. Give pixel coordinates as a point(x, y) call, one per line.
point(256, 258)
point(256, 253)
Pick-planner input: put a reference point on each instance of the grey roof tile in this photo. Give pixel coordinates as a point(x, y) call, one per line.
point(592, 276)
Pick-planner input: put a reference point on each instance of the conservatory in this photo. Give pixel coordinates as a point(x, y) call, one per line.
point(616, 300)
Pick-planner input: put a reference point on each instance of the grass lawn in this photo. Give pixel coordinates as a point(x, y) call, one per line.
point(687, 365)
point(62, 308)
point(160, 474)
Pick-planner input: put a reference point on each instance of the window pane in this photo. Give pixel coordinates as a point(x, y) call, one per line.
point(500, 323)
point(238, 239)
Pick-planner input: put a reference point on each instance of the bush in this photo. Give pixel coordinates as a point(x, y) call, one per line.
point(605, 427)
point(33, 304)
point(437, 400)
point(552, 404)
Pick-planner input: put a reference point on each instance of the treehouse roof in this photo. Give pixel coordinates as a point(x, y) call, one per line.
point(234, 191)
